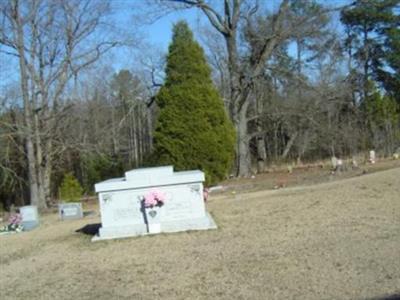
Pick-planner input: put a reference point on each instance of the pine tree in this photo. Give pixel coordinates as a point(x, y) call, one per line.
point(373, 28)
point(70, 189)
point(193, 130)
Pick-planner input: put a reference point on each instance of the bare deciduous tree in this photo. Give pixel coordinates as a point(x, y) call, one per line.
point(53, 41)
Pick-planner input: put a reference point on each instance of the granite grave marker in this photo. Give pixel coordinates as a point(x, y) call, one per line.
point(123, 213)
point(30, 217)
point(70, 211)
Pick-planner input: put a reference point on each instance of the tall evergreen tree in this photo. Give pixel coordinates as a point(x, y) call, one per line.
point(374, 34)
point(193, 130)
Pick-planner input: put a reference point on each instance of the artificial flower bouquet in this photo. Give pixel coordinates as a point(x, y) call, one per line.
point(14, 224)
point(154, 198)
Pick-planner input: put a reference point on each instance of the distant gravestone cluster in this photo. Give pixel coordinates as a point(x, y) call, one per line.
point(338, 164)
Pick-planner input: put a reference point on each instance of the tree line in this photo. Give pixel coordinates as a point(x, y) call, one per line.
point(300, 81)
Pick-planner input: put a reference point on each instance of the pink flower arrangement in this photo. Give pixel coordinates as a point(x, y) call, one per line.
point(154, 198)
point(15, 219)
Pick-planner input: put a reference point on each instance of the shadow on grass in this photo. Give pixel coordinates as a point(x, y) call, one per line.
point(387, 297)
point(90, 229)
point(89, 213)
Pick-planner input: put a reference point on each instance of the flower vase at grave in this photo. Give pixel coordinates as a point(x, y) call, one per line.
point(152, 201)
point(153, 216)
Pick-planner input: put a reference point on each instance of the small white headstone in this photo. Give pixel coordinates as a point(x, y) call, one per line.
point(372, 157)
point(122, 208)
point(30, 217)
point(396, 154)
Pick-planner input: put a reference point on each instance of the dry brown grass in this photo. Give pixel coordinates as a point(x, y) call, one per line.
point(338, 240)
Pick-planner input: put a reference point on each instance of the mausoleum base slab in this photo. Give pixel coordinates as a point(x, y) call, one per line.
point(108, 233)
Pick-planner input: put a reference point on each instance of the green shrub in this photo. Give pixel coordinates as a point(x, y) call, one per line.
point(193, 130)
point(70, 189)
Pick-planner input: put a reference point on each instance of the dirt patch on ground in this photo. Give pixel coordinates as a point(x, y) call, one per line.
point(337, 240)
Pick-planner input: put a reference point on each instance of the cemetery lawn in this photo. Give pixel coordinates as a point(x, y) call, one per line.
point(335, 240)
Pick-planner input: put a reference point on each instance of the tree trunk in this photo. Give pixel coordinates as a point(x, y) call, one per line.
point(261, 154)
point(149, 128)
point(238, 110)
point(139, 141)
point(134, 135)
point(243, 150)
point(304, 145)
point(33, 178)
point(389, 138)
point(366, 63)
point(276, 141)
point(28, 120)
point(46, 183)
point(114, 132)
point(40, 163)
point(289, 145)
point(261, 151)
point(299, 67)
